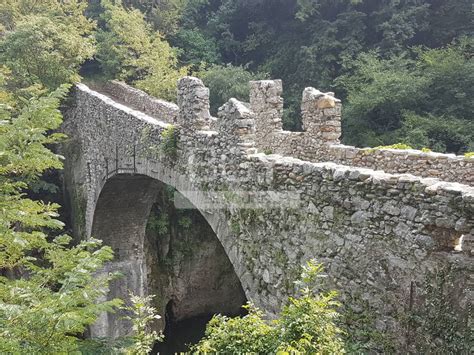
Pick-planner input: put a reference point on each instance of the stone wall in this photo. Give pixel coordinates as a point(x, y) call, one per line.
point(319, 141)
point(321, 117)
point(156, 108)
point(447, 167)
point(381, 236)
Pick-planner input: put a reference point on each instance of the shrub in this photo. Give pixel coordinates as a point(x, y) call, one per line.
point(307, 324)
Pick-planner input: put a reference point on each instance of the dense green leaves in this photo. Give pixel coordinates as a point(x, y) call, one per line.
point(315, 42)
point(142, 316)
point(421, 101)
point(49, 307)
point(50, 289)
point(130, 50)
point(46, 45)
point(307, 325)
point(249, 334)
point(225, 82)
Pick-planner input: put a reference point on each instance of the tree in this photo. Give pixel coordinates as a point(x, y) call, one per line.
point(307, 42)
point(196, 48)
point(225, 82)
point(378, 92)
point(41, 50)
point(307, 325)
point(48, 291)
point(70, 12)
point(128, 49)
point(420, 101)
point(44, 42)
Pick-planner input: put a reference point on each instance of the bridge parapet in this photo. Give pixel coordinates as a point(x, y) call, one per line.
point(319, 142)
point(138, 99)
point(446, 167)
point(321, 117)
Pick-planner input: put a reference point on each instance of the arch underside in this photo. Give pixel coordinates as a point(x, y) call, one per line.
point(184, 263)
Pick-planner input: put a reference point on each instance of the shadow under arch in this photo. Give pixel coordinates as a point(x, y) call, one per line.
point(201, 283)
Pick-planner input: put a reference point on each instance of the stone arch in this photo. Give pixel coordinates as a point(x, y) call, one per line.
point(120, 216)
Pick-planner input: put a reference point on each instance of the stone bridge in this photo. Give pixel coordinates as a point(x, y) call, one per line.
point(385, 224)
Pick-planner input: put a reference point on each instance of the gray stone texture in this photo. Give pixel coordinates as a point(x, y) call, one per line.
point(376, 232)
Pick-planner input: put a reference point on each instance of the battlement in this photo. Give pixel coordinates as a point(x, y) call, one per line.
point(193, 102)
point(319, 141)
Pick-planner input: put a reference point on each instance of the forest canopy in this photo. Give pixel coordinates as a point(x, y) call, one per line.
point(402, 68)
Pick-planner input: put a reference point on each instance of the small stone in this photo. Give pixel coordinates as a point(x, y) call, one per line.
point(408, 212)
point(266, 276)
point(328, 213)
point(326, 102)
point(359, 217)
point(390, 208)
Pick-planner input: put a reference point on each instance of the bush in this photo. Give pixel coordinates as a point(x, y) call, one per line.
point(169, 142)
point(307, 324)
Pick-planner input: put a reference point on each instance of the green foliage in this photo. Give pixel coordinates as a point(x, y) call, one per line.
point(142, 317)
point(169, 142)
point(420, 102)
point(378, 92)
point(400, 146)
point(50, 289)
point(45, 46)
point(235, 227)
point(130, 50)
point(196, 47)
point(307, 324)
point(46, 311)
point(441, 134)
point(185, 222)
point(70, 12)
point(54, 296)
point(469, 155)
point(313, 42)
point(225, 82)
point(159, 223)
point(249, 334)
point(163, 15)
